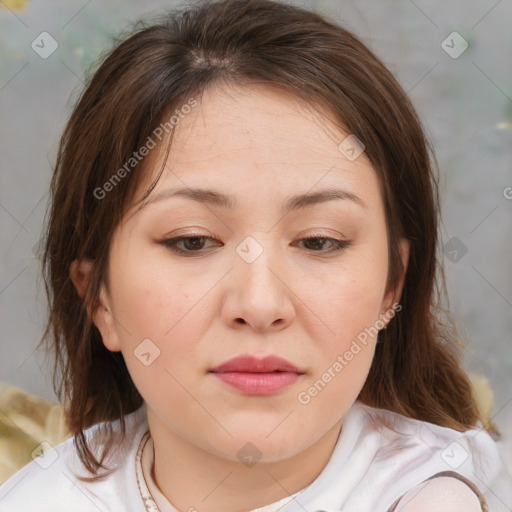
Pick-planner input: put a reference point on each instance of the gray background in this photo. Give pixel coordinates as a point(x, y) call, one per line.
point(465, 104)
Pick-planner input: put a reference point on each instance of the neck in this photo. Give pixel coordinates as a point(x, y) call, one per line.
point(193, 478)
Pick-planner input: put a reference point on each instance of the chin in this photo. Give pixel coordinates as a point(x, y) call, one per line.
point(249, 447)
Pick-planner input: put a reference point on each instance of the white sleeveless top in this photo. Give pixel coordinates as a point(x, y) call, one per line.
point(378, 457)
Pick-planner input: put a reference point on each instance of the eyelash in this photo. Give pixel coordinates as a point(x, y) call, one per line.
point(171, 243)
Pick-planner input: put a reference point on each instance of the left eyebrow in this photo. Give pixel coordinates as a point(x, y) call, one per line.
point(292, 203)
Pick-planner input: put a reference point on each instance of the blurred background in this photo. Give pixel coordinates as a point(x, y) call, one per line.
point(454, 59)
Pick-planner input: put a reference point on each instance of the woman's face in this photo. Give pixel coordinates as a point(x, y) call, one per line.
point(259, 174)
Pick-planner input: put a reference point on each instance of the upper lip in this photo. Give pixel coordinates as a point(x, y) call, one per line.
point(253, 364)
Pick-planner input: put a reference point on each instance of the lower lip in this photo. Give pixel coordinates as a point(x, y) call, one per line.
point(258, 383)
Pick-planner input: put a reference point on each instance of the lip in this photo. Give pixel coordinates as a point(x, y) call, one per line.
point(254, 376)
point(254, 365)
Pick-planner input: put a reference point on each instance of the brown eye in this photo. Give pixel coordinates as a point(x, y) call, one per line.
point(322, 244)
point(189, 244)
point(193, 243)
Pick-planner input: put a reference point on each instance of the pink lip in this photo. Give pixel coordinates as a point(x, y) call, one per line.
point(254, 376)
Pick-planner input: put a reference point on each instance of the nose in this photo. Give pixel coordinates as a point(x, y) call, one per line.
point(259, 296)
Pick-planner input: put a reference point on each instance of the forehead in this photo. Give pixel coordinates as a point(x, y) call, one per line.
point(261, 119)
point(258, 139)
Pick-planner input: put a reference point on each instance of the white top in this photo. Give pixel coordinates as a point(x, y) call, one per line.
point(371, 466)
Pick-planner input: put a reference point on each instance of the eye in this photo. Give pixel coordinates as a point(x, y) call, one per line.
point(318, 243)
point(191, 244)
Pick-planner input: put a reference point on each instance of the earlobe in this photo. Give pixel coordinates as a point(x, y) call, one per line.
point(106, 323)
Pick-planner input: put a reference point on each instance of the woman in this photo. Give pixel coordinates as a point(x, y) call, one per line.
point(241, 266)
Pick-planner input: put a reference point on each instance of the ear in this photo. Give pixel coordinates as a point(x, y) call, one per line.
point(79, 272)
point(393, 296)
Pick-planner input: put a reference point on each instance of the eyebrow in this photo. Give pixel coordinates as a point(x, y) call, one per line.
point(295, 202)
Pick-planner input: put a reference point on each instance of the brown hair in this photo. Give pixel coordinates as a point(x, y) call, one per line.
point(159, 67)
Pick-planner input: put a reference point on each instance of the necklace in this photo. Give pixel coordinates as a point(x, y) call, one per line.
point(149, 502)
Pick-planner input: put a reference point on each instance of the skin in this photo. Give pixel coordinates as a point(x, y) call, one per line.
point(442, 494)
point(298, 299)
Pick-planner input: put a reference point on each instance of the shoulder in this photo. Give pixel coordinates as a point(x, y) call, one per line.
point(43, 483)
point(409, 452)
point(444, 494)
point(451, 449)
point(52, 481)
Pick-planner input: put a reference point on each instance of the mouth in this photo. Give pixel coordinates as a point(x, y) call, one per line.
point(253, 376)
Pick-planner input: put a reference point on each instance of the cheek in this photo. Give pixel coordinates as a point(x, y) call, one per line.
point(345, 345)
point(342, 312)
point(154, 298)
point(169, 310)
point(345, 303)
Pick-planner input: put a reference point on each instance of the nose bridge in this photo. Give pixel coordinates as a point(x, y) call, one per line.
point(257, 261)
point(260, 296)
